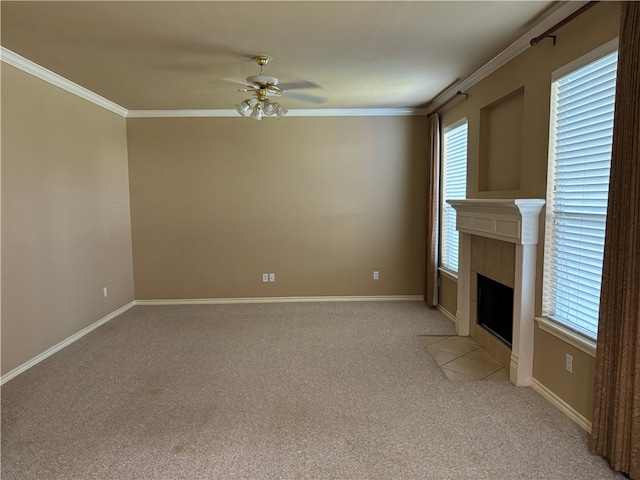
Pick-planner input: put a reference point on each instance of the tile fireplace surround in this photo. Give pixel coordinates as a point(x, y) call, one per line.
point(515, 221)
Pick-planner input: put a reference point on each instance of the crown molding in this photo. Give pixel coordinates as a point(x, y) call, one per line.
point(27, 66)
point(512, 51)
point(311, 112)
point(515, 49)
point(182, 113)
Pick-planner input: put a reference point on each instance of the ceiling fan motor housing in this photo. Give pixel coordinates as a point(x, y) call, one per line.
point(262, 80)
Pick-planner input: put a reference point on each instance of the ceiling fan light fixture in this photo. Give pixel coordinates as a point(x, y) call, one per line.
point(258, 112)
point(243, 107)
point(260, 105)
point(269, 107)
point(280, 110)
point(258, 109)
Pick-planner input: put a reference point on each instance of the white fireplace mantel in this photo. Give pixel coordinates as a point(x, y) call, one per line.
point(509, 220)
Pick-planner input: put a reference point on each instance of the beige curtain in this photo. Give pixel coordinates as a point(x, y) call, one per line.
point(616, 415)
point(433, 204)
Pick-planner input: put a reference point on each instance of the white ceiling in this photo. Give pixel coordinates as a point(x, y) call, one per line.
point(163, 55)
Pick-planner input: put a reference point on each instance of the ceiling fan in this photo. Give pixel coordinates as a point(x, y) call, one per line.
point(264, 86)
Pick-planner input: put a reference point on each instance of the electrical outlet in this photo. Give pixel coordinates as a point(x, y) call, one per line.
point(105, 292)
point(376, 275)
point(265, 277)
point(569, 363)
point(272, 277)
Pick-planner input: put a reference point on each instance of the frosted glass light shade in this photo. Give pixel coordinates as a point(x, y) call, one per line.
point(257, 113)
point(258, 109)
point(281, 111)
point(269, 107)
point(243, 107)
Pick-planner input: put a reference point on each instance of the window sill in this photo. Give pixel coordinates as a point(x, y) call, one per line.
point(574, 339)
point(448, 274)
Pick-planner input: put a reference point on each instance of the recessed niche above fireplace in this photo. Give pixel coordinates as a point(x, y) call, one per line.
point(495, 308)
point(501, 143)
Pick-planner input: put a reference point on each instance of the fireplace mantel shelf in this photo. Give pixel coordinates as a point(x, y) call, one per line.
point(510, 220)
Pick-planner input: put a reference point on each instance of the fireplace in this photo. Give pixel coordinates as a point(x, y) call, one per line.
point(512, 223)
point(495, 308)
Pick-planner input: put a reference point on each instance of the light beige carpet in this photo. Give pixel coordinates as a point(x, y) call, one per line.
point(287, 391)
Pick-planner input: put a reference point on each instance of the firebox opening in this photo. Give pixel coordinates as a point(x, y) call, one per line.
point(495, 308)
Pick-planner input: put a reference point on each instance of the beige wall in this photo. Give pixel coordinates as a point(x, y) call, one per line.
point(65, 215)
point(530, 73)
point(321, 202)
point(574, 388)
point(448, 295)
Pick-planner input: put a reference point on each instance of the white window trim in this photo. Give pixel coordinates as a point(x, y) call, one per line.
point(445, 272)
point(455, 124)
point(453, 275)
point(602, 51)
point(575, 339)
point(558, 330)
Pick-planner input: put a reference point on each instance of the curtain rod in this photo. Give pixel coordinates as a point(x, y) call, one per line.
point(561, 23)
point(533, 43)
point(458, 93)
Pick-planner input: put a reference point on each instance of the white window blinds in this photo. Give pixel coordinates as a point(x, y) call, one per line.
point(582, 106)
point(454, 186)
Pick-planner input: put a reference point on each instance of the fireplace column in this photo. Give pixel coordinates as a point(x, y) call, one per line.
point(515, 221)
point(521, 367)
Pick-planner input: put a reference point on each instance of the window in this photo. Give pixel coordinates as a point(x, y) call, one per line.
point(454, 186)
point(581, 132)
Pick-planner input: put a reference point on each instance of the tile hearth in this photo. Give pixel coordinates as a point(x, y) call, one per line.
point(462, 359)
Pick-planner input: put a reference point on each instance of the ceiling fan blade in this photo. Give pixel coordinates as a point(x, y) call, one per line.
point(298, 85)
point(303, 97)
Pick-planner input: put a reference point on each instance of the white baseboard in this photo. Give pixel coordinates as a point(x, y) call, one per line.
point(447, 314)
point(561, 404)
point(215, 301)
point(47, 353)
